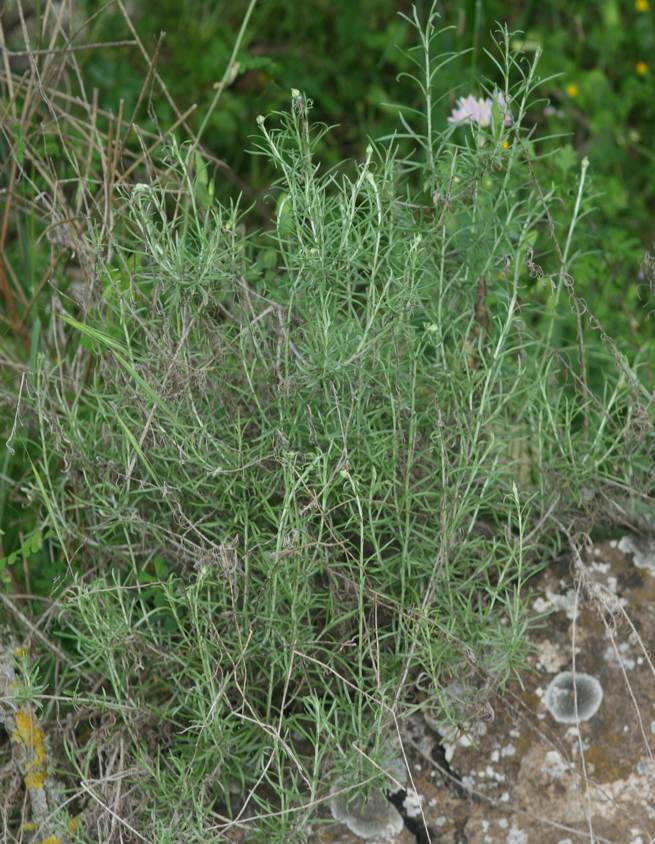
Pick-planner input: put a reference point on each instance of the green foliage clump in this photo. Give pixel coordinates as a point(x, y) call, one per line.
point(285, 486)
point(312, 469)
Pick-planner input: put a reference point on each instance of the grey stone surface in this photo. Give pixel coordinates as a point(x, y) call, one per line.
point(526, 778)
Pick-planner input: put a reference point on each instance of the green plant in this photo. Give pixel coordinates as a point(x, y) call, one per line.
point(300, 478)
point(348, 442)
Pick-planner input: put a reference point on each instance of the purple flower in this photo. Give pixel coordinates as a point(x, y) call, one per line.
point(470, 110)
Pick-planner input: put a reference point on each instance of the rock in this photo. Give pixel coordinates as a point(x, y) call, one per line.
point(370, 819)
point(527, 778)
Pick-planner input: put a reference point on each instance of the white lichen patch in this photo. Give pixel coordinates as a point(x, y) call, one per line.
point(541, 605)
point(573, 697)
point(412, 803)
point(573, 737)
point(642, 550)
point(620, 655)
point(613, 585)
point(372, 818)
point(516, 836)
point(600, 570)
point(551, 658)
point(567, 603)
point(554, 766)
point(601, 586)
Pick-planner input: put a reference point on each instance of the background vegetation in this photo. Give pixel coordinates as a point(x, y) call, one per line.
point(347, 57)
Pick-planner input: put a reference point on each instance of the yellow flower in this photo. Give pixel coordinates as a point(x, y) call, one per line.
point(641, 5)
point(572, 89)
point(641, 68)
point(505, 144)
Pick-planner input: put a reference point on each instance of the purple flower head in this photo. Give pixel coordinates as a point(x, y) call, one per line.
point(470, 110)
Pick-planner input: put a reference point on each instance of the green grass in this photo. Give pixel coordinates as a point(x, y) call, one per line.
point(296, 481)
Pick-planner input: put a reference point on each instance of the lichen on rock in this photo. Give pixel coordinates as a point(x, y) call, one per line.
point(30, 754)
point(642, 550)
point(571, 698)
point(374, 817)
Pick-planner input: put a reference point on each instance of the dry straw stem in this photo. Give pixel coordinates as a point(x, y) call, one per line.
point(103, 150)
point(30, 755)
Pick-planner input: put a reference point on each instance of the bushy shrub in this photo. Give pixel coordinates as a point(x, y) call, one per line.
point(292, 482)
point(311, 470)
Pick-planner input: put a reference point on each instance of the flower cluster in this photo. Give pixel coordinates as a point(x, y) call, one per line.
point(470, 110)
